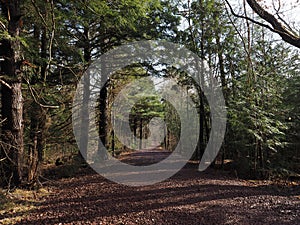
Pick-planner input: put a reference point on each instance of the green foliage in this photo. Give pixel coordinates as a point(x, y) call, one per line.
point(256, 74)
point(257, 114)
point(260, 78)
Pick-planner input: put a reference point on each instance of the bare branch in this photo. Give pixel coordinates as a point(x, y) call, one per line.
point(277, 10)
point(3, 121)
point(247, 18)
point(3, 159)
point(39, 13)
point(286, 34)
point(36, 101)
point(2, 25)
point(4, 83)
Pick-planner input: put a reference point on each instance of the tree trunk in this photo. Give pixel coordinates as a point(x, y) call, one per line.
point(141, 133)
point(103, 111)
point(84, 127)
point(223, 82)
point(135, 130)
point(11, 95)
point(39, 124)
point(201, 122)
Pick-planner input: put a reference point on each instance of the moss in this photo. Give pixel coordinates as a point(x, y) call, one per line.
point(15, 205)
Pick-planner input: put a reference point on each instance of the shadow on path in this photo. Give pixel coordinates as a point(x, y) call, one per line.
point(189, 197)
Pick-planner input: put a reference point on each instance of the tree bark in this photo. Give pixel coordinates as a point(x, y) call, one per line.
point(11, 94)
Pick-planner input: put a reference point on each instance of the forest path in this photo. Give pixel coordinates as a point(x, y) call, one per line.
point(189, 197)
point(145, 156)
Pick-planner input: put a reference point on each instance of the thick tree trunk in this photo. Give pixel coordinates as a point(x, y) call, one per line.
point(12, 129)
point(17, 126)
point(11, 95)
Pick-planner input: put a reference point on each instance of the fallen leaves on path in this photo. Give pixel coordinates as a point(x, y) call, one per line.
point(189, 197)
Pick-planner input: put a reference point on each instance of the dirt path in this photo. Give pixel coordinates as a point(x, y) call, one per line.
point(189, 197)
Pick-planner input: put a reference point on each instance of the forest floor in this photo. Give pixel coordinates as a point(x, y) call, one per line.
point(189, 197)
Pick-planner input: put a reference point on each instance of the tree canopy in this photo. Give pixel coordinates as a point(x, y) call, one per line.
point(47, 46)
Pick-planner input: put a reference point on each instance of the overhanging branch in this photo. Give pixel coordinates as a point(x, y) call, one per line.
point(277, 27)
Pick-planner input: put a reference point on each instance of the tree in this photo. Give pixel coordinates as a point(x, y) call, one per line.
point(11, 94)
point(291, 100)
point(38, 37)
point(94, 27)
point(257, 126)
point(209, 35)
